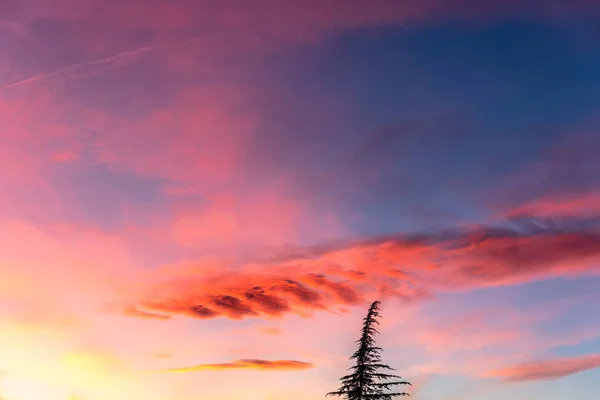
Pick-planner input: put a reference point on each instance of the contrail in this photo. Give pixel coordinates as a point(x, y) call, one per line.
point(100, 61)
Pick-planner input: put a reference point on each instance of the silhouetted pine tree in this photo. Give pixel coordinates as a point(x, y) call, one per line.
point(367, 382)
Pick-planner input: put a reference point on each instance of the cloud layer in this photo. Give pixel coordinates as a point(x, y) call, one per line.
point(405, 267)
point(228, 181)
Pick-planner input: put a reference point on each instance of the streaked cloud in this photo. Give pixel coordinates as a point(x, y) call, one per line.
point(405, 267)
point(285, 365)
point(548, 369)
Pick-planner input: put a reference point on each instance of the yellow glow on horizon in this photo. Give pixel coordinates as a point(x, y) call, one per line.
point(40, 363)
point(19, 387)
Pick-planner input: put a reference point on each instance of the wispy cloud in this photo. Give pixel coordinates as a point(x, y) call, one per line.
point(91, 68)
point(547, 369)
point(286, 365)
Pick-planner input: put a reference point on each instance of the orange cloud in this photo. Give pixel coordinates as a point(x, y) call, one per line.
point(403, 267)
point(286, 365)
point(548, 369)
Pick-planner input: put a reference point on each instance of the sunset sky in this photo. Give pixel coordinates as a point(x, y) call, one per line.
point(199, 199)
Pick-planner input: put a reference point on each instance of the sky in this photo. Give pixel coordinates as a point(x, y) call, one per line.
point(200, 199)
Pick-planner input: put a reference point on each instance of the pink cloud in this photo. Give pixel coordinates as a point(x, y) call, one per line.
point(547, 369)
point(261, 217)
point(467, 336)
point(64, 156)
point(197, 140)
point(566, 205)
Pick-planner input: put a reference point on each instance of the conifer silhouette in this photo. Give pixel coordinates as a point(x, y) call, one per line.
point(367, 382)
